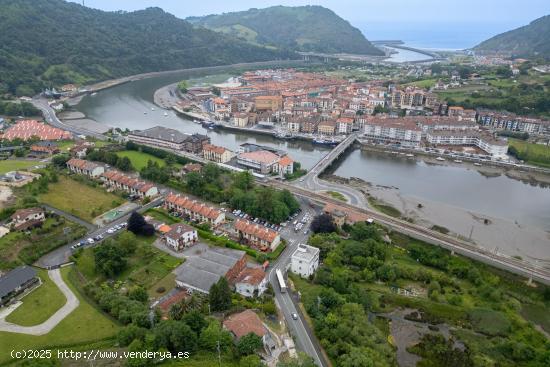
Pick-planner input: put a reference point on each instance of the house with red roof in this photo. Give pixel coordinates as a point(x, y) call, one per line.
point(251, 282)
point(266, 239)
point(83, 167)
point(26, 129)
point(180, 236)
point(134, 186)
point(193, 209)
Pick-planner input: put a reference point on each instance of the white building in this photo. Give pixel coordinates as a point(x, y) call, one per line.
point(84, 167)
point(251, 282)
point(495, 148)
point(392, 131)
point(305, 260)
point(181, 236)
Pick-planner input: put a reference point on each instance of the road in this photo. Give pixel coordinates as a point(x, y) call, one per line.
point(51, 118)
point(45, 327)
point(61, 255)
point(304, 336)
point(72, 218)
point(435, 238)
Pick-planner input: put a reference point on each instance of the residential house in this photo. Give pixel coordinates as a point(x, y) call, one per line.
point(266, 239)
point(194, 209)
point(344, 125)
point(341, 215)
point(16, 282)
point(327, 127)
point(43, 149)
point(133, 186)
point(251, 282)
point(240, 119)
point(180, 236)
point(246, 322)
point(24, 219)
point(83, 167)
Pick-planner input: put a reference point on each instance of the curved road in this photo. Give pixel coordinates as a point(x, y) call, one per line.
point(45, 327)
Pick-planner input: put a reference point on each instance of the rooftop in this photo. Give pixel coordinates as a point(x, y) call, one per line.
point(305, 252)
point(244, 323)
point(15, 278)
point(162, 133)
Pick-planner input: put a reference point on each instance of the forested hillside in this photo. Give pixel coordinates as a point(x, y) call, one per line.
point(530, 40)
point(53, 42)
point(301, 28)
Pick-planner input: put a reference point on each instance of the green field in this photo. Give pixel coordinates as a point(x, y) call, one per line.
point(337, 195)
point(40, 304)
point(146, 267)
point(140, 159)
point(85, 325)
point(79, 199)
point(535, 154)
point(13, 165)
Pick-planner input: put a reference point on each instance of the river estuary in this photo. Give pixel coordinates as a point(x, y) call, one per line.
point(508, 202)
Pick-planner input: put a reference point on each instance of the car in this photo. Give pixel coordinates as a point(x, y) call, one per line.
point(90, 241)
point(294, 316)
point(124, 224)
point(306, 231)
point(98, 238)
point(111, 230)
point(295, 222)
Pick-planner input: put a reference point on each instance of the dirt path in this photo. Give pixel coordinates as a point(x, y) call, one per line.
point(45, 327)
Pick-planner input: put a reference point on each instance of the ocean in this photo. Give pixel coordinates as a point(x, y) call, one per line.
point(441, 36)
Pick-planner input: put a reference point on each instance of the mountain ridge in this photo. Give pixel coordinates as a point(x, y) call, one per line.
point(526, 41)
point(53, 42)
point(301, 28)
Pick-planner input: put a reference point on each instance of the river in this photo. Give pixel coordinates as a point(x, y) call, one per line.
point(124, 106)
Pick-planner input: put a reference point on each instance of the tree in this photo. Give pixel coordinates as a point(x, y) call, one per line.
point(127, 241)
point(250, 361)
point(195, 320)
point(361, 231)
point(220, 295)
point(109, 259)
point(60, 160)
point(175, 336)
point(183, 86)
point(138, 225)
point(323, 224)
point(138, 293)
point(212, 334)
point(124, 164)
point(249, 344)
point(244, 181)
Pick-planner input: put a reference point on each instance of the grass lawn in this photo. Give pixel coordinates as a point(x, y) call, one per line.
point(79, 199)
point(538, 315)
point(65, 145)
point(166, 283)
point(85, 325)
point(17, 248)
point(40, 304)
point(14, 165)
point(147, 266)
point(162, 215)
point(384, 208)
point(140, 159)
point(336, 195)
point(535, 154)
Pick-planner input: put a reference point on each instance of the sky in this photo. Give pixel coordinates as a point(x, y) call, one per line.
point(377, 19)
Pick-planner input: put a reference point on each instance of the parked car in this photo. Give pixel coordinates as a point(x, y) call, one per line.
point(90, 241)
point(294, 316)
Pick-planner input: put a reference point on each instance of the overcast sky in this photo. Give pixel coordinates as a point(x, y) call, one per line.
point(457, 23)
point(506, 11)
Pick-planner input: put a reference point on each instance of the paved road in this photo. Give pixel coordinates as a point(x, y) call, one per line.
point(61, 255)
point(45, 327)
point(304, 336)
point(72, 218)
point(51, 118)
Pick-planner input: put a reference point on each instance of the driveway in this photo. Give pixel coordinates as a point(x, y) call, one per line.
point(45, 327)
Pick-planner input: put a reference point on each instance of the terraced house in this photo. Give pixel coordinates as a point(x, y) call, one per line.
point(194, 209)
point(83, 167)
point(256, 235)
point(134, 186)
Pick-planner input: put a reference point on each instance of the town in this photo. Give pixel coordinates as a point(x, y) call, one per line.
point(273, 199)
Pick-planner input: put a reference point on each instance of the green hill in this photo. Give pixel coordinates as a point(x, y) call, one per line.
point(53, 42)
point(528, 41)
point(301, 28)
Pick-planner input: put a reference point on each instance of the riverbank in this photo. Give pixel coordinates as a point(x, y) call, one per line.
point(500, 235)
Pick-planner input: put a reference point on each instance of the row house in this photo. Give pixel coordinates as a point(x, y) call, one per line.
point(194, 209)
point(216, 153)
point(133, 186)
point(256, 235)
point(512, 122)
point(83, 167)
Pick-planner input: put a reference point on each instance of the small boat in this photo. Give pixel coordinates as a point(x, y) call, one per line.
point(477, 164)
point(401, 153)
point(410, 155)
point(457, 161)
point(145, 112)
point(93, 94)
point(440, 159)
point(165, 114)
point(152, 108)
point(324, 142)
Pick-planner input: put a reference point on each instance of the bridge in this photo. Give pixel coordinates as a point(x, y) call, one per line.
point(312, 182)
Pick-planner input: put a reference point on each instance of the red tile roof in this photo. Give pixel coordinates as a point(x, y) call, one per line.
point(262, 156)
point(244, 323)
point(251, 276)
point(25, 129)
point(256, 230)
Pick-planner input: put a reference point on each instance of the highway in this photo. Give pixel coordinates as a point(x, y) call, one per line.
point(51, 118)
